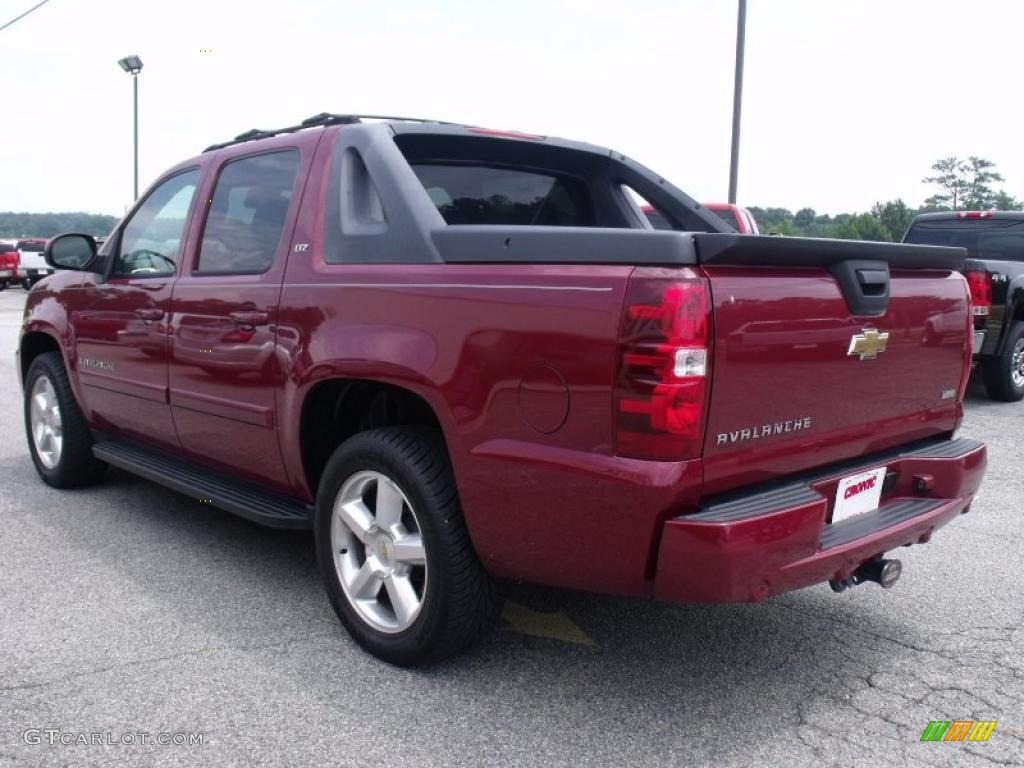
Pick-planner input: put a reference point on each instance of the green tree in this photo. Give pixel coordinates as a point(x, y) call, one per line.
point(895, 216)
point(1004, 202)
point(979, 174)
point(950, 176)
point(965, 184)
point(804, 218)
point(863, 226)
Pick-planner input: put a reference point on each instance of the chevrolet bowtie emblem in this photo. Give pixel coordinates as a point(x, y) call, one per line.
point(868, 344)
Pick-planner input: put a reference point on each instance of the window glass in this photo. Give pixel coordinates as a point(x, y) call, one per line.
point(477, 194)
point(993, 239)
point(246, 220)
point(32, 246)
point(151, 239)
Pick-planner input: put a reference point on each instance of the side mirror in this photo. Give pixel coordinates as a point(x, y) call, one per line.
point(71, 251)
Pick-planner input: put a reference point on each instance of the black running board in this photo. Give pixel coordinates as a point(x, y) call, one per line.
point(243, 499)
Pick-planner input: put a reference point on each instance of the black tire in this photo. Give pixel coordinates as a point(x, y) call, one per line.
point(26, 284)
point(999, 372)
point(3, 284)
point(460, 601)
point(76, 465)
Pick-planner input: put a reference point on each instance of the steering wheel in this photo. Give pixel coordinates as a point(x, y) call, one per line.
point(146, 252)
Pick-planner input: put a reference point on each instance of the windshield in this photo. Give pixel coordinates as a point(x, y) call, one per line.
point(995, 239)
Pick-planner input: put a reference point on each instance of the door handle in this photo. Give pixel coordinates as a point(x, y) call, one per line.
point(250, 317)
point(149, 315)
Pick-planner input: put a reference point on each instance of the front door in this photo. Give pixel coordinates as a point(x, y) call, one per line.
point(120, 321)
point(224, 370)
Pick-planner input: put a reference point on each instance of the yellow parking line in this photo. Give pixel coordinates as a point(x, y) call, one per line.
point(552, 625)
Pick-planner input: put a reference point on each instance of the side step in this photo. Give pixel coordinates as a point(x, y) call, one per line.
point(243, 499)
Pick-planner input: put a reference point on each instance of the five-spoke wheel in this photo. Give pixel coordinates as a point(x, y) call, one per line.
point(378, 551)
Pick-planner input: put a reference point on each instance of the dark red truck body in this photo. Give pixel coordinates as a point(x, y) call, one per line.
point(520, 353)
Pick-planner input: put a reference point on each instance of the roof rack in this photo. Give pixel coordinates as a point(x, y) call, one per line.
point(317, 121)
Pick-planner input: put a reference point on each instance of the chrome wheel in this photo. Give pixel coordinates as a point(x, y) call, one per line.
point(45, 421)
point(378, 552)
point(1017, 364)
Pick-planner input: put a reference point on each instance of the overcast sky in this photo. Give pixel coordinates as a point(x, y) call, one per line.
point(845, 102)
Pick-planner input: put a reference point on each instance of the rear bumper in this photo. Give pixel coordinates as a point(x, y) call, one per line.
point(747, 547)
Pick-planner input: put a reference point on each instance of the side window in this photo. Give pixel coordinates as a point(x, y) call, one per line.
point(479, 194)
point(151, 239)
point(246, 219)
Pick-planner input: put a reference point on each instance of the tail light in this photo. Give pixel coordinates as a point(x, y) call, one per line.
point(974, 214)
point(664, 364)
point(981, 292)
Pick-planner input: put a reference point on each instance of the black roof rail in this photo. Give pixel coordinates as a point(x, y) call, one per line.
point(317, 121)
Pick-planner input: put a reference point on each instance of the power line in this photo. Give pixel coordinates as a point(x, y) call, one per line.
point(26, 13)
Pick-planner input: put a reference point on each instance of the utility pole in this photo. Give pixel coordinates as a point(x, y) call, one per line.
point(737, 99)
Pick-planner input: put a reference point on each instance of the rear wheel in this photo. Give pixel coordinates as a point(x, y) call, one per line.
point(26, 283)
point(4, 283)
point(58, 437)
point(394, 551)
point(1004, 375)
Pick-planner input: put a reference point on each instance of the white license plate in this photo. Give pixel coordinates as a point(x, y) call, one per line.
point(858, 494)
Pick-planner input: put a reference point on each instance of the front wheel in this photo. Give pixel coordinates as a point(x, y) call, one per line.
point(1004, 375)
point(58, 437)
point(393, 548)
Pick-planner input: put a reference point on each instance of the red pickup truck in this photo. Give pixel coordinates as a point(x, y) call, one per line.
point(460, 354)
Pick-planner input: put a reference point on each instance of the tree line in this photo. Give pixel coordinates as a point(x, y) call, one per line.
point(963, 185)
point(14, 224)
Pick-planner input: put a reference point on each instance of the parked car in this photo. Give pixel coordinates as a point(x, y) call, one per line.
point(33, 266)
point(740, 219)
point(9, 261)
point(481, 363)
point(995, 273)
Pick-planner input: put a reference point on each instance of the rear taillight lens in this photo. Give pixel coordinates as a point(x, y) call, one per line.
point(664, 365)
point(981, 292)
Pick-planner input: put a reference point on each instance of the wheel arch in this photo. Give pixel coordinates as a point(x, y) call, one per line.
point(337, 408)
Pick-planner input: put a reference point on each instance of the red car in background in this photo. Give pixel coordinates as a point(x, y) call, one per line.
point(739, 218)
point(9, 262)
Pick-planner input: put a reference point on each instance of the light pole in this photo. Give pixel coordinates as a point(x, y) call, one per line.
point(737, 99)
point(133, 65)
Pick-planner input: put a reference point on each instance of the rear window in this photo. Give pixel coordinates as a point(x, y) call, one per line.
point(994, 239)
point(32, 246)
point(725, 215)
point(480, 194)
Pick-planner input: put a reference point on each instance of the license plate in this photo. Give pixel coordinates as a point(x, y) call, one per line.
point(858, 494)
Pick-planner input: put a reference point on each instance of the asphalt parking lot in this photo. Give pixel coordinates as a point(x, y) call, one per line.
point(129, 609)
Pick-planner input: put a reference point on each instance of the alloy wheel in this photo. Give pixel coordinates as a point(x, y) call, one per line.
point(45, 421)
point(378, 552)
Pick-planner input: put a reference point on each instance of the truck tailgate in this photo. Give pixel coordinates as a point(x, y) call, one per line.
point(797, 374)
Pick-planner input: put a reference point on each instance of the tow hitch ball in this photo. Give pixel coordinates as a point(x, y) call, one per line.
point(880, 571)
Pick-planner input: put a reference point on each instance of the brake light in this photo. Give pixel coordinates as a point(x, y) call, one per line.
point(664, 364)
point(981, 292)
point(974, 214)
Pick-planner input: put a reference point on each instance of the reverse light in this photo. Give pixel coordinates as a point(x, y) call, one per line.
point(661, 388)
point(981, 292)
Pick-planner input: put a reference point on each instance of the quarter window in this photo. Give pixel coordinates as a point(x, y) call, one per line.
point(151, 240)
point(247, 213)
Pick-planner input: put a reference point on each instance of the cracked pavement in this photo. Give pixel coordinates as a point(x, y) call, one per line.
point(129, 608)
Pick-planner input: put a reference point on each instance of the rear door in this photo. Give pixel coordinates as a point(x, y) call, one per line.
point(224, 371)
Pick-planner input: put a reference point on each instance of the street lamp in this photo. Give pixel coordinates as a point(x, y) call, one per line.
point(133, 65)
point(737, 99)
